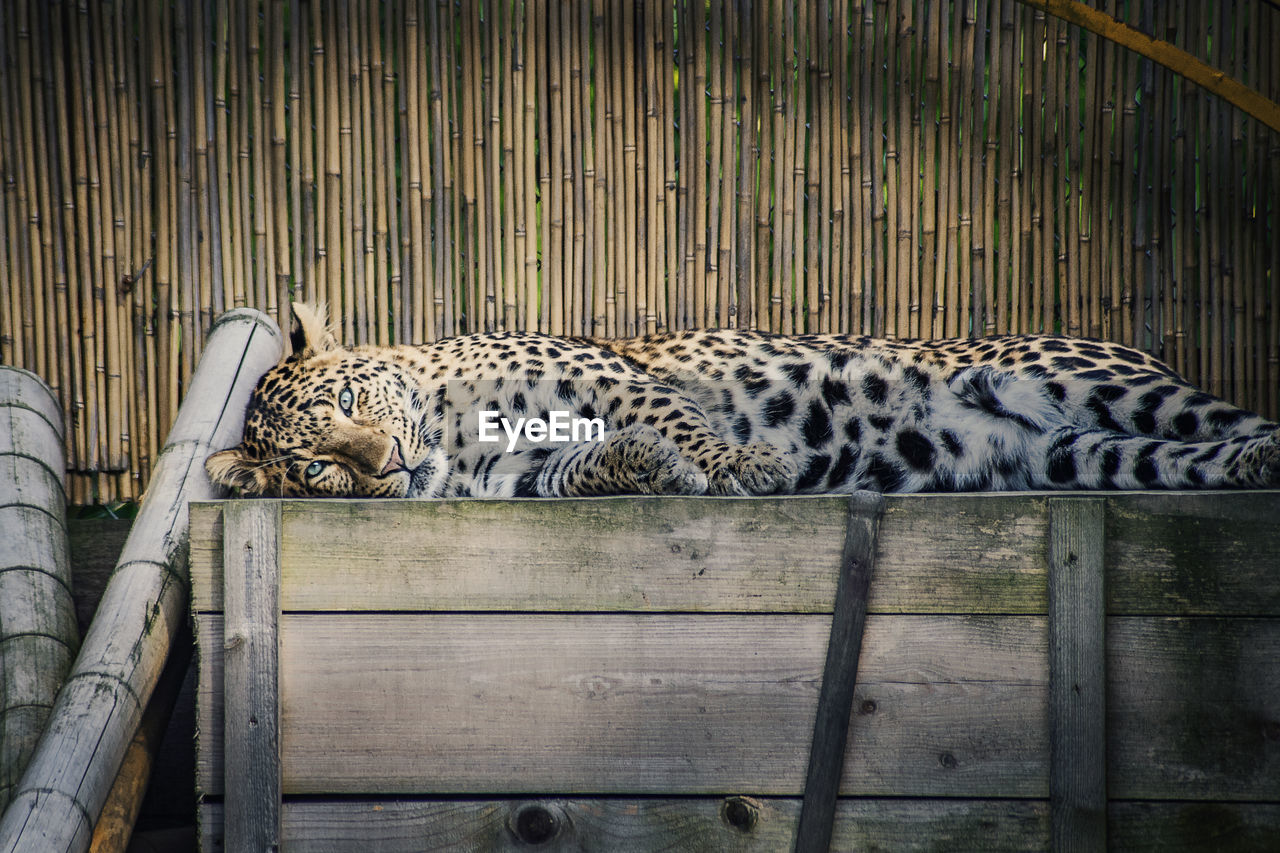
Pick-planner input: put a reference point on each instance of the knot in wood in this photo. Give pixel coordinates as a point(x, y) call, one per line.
point(535, 824)
point(740, 813)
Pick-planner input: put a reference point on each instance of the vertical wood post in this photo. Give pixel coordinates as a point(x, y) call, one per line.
point(1077, 675)
point(831, 723)
point(251, 572)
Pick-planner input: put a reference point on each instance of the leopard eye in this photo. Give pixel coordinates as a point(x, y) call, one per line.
point(346, 399)
point(314, 469)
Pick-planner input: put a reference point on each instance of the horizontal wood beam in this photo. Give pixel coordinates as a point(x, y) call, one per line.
point(1174, 58)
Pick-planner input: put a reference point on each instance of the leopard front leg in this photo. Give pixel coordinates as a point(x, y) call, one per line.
point(635, 460)
point(730, 468)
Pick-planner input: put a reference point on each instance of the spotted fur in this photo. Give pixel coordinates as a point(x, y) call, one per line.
point(737, 412)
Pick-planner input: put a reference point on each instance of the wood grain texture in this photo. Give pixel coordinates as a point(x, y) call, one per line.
point(730, 824)
point(643, 704)
point(1193, 553)
point(1193, 708)
point(1077, 675)
point(936, 554)
point(251, 666)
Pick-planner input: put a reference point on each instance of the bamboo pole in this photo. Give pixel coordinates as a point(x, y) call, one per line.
point(528, 167)
point(645, 127)
point(277, 200)
point(337, 265)
point(38, 633)
point(62, 792)
point(748, 163)
point(619, 273)
point(508, 117)
point(347, 225)
point(931, 65)
point(10, 299)
point(22, 148)
point(579, 145)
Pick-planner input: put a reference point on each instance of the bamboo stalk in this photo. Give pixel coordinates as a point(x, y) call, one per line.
point(908, 283)
point(672, 259)
point(183, 186)
point(808, 192)
point(714, 130)
point(511, 286)
point(88, 209)
point(748, 163)
point(632, 309)
point(37, 335)
point(598, 163)
point(765, 281)
point(10, 300)
point(578, 99)
point(347, 228)
point(1050, 318)
point(275, 104)
point(413, 243)
point(967, 129)
point(335, 202)
point(1074, 284)
point(646, 124)
point(931, 66)
point(529, 83)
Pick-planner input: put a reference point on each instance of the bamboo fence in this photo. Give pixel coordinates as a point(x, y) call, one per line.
point(432, 167)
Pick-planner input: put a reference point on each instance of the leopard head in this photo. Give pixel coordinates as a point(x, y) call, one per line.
point(335, 422)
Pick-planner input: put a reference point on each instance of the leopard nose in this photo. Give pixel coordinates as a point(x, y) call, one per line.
point(396, 461)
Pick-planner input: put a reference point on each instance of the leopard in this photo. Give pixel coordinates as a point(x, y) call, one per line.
point(731, 412)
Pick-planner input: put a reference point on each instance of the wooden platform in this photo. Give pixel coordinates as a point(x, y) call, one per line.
point(638, 673)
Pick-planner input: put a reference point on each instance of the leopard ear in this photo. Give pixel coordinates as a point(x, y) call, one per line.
point(235, 469)
point(311, 334)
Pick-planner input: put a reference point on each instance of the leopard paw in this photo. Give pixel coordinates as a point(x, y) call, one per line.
point(653, 464)
point(1265, 461)
point(750, 469)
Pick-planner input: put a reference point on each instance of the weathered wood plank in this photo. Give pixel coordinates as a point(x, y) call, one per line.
point(1077, 675)
point(730, 824)
point(936, 554)
point(1179, 827)
point(1193, 553)
point(831, 724)
point(681, 704)
point(251, 711)
point(1193, 708)
point(205, 555)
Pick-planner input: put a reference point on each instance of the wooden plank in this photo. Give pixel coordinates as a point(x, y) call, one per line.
point(1175, 827)
point(936, 554)
point(739, 824)
point(204, 554)
point(1077, 675)
point(1192, 708)
point(1193, 553)
point(839, 675)
point(680, 704)
point(252, 701)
